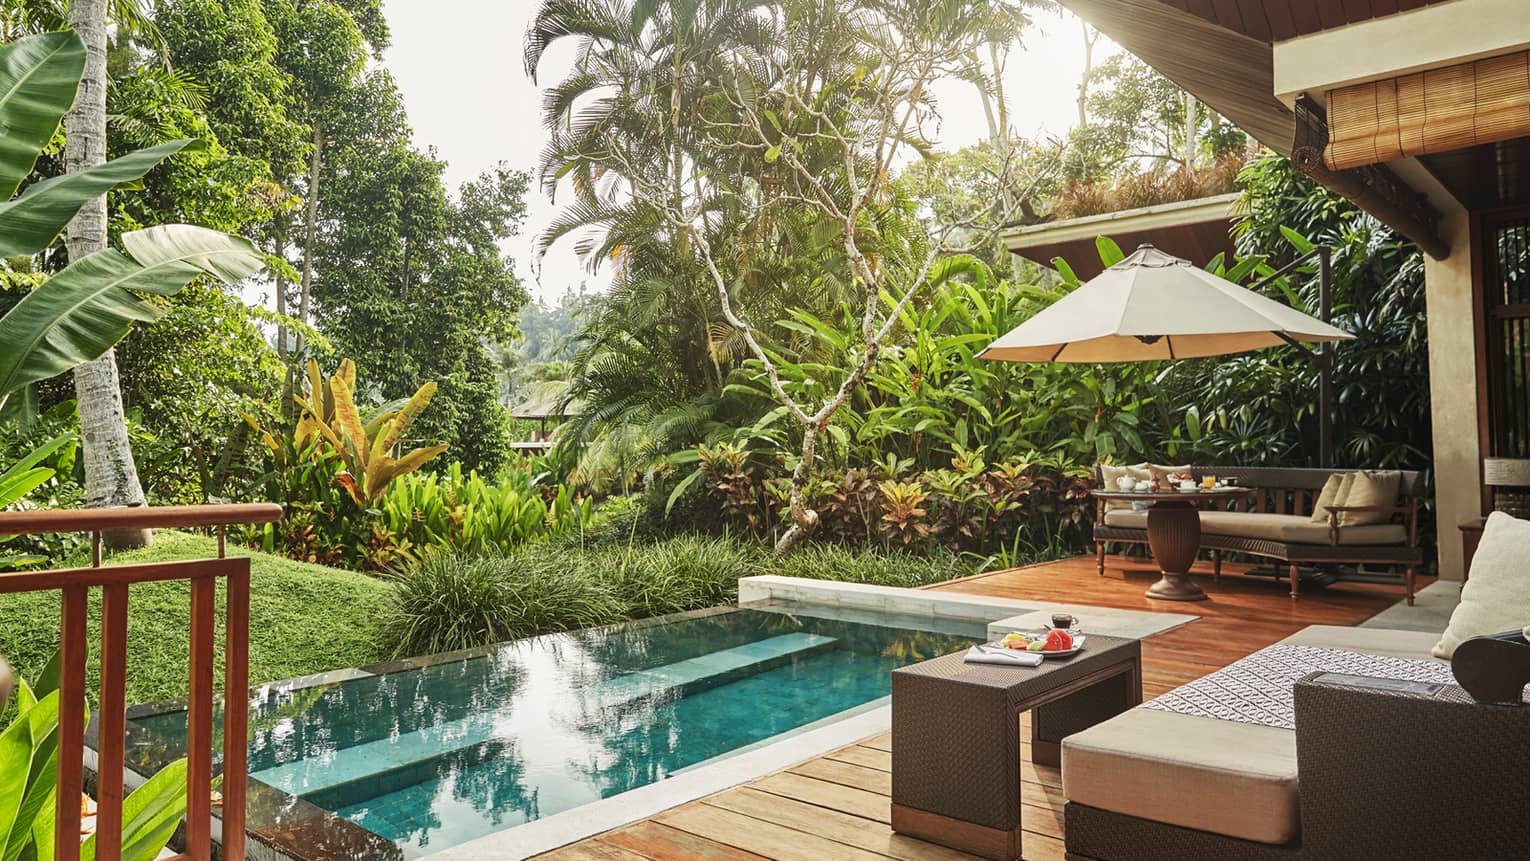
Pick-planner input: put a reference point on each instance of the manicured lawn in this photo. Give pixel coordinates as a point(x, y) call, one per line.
point(303, 619)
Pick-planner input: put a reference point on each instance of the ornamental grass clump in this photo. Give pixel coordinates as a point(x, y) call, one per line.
point(682, 573)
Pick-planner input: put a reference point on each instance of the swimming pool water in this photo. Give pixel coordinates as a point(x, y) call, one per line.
point(433, 757)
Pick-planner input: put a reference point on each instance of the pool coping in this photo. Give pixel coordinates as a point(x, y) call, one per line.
point(284, 827)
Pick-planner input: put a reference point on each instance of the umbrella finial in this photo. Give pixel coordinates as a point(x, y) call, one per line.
point(1149, 255)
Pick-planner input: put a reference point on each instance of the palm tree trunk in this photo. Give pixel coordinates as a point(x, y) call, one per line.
point(310, 224)
point(111, 477)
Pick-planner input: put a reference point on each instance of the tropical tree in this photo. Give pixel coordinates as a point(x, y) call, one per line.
point(827, 145)
point(77, 314)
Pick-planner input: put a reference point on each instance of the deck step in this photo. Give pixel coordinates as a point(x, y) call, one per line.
point(369, 759)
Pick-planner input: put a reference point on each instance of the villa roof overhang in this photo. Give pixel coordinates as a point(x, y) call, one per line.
point(1274, 20)
point(1226, 55)
point(1196, 230)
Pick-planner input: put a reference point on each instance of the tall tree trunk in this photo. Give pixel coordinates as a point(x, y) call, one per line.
point(1091, 36)
point(1192, 132)
point(281, 294)
point(310, 225)
point(111, 477)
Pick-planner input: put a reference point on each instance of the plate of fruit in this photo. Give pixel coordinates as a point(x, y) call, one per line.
point(1051, 643)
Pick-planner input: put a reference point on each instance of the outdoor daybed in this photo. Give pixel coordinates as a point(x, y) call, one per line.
point(1276, 522)
point(1273, 757)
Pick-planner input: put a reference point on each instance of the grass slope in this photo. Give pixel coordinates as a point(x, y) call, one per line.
point(303, 619)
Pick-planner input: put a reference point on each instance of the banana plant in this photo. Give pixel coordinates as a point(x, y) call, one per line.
point(78, 314)
point(22, 478)
point(364, 447)
point(28, 785)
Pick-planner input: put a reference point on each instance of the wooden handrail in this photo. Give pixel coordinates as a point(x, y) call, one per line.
point(203, 574)
point(142, 517)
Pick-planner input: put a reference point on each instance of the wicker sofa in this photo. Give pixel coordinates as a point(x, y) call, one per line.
point(1275, 523)
point(1363, 774)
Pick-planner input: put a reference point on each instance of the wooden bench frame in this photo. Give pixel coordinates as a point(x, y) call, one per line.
point(1282, 490)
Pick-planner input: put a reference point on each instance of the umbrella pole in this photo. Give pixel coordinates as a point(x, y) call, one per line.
point(1323, 355)
point(1325, 361)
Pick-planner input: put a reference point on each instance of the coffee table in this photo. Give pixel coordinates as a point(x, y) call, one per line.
point(1174, 533)
point(956, 736)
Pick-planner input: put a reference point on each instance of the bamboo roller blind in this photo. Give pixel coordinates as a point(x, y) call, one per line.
point(1435, 111)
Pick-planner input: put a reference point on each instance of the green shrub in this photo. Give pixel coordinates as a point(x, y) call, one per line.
point(466, 513)
point(451, 601)
point(682, 573)
point(887, 568)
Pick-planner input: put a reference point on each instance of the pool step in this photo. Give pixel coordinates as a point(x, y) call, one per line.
point(364, 761)
point(709, 670)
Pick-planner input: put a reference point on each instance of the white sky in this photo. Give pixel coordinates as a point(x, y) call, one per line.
point(468, 96)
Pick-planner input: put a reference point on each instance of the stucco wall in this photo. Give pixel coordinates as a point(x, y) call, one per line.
point(1453, 389)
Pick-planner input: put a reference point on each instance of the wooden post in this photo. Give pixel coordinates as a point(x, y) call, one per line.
point(199, 723)
point(71, 723)
point(109, 765)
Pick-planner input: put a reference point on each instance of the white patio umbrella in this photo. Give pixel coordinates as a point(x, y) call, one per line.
point(1154, 305)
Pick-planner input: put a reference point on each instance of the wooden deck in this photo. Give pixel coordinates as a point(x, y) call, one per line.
point(836, 806)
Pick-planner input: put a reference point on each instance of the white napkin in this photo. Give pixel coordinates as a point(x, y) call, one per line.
point(1002, 657)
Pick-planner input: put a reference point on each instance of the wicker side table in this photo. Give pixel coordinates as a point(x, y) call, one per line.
point(956, 737)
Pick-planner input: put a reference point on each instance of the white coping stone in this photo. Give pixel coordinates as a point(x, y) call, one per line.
point(560, 829)
point(895, 599)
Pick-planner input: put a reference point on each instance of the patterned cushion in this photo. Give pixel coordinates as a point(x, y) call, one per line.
point(1257, 689)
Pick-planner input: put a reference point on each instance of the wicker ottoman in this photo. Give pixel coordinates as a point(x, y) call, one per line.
point(956, 737)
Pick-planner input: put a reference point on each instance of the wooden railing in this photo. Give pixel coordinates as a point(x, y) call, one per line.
point(76, 583)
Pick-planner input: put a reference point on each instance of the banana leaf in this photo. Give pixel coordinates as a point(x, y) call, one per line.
point(78, 314)
point(32, 221)
point(38, 78)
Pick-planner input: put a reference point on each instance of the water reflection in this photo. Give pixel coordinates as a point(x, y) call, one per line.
point(433, 757)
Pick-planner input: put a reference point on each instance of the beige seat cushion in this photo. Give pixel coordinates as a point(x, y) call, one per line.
point(1411, 645)
point(1496, 596)
point(1370, 488)
point(1228, 778)
point(1288, 528)
point(1127, 518)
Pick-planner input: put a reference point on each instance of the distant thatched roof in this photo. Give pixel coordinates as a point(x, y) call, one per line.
point(542, 402)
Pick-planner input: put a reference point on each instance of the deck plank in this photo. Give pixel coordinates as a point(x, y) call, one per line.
point(834, 796)
point(764, 838)
point(837, 806)
point(839, 827)
point(659, 841)
point(593, 850)
point(846, 774)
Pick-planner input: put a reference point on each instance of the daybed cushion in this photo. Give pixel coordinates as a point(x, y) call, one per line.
point(1288, 528)
point(1234, 779)
point(1496, 595)
point(1412, 645)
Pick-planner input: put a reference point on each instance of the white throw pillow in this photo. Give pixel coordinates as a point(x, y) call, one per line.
point(1496, 597)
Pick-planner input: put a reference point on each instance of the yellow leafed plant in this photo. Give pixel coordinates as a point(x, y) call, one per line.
point(366, 448)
